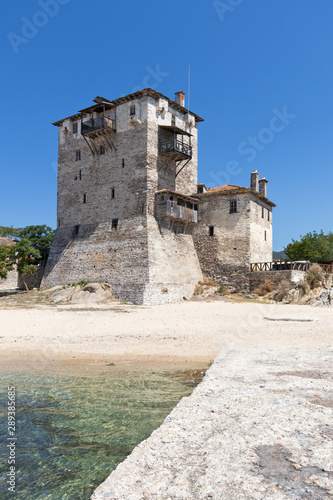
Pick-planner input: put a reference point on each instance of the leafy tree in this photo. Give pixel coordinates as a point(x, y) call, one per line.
point(314, 247)
point(10, 232)
point(22, 255)
point(38, 235)
point(5, 261)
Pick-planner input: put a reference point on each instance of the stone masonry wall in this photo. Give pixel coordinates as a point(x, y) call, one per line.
point(225, 256)
point(174, 268)
point(261, 231)
point(122, 169)
point(258, 278)
point(99, 253)
point(10, 282)
point(13, 280)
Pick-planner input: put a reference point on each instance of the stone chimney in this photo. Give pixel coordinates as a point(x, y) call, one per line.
point(263, 187)
point(180, 98)
point(254, 181)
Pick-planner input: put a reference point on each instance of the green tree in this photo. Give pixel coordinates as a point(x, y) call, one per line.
point(38, 235)
point(315, 247)
point(22, 255)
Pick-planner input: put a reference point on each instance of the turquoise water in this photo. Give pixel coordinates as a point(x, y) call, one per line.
point(72, 430)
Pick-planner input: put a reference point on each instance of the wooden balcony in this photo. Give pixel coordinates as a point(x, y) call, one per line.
point(175, 211)
point(177, 149)
point(99, 124)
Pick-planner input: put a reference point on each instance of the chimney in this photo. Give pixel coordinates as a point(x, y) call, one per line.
point(263, 187)
point(254, 181)
point(180, 98)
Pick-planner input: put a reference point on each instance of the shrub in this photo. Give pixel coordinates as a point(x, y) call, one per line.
point(265, 288)
point(208, 282)
point(315, 276)
point(223, 290)
point(303, 288)
point(282, 290)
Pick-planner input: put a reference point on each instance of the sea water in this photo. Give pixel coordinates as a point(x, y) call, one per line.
point(72, 430)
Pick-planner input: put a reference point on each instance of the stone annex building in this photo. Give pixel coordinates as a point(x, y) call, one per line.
point(131, 211)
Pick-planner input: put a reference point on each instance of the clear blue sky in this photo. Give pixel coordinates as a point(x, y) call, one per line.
point(251, 60)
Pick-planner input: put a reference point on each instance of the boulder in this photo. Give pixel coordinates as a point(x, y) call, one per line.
point(84, 294)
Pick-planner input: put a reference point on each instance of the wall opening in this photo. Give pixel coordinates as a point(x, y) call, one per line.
point(211, 230)
point(114, 224)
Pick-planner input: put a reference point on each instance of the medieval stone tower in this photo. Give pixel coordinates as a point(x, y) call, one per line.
point(130, 211)
point(114, 156)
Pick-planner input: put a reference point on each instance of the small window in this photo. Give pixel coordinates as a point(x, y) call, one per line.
point(59, 222)
point(265, 235)
point(263, 212)
point(233, 206)
point(173, 120)
point(123, 163)
point(114, 223)
point(200, 189)
point(162, 198)
point(84, 198)
point(211, 230)
point(171, 198)
point(195, 206)
point(268, 215)
point(78, 155)
point(76, 230)
point(112, 193)
point(102, 150)
point(80, 175)
point(74, 128)
point(132, 110)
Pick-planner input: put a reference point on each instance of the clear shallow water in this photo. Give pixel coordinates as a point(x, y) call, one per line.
point(72, 431)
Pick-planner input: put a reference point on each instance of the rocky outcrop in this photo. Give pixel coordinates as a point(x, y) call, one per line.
point(83, 294)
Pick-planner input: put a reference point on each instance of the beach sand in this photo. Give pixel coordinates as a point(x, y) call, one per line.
point(173, 334)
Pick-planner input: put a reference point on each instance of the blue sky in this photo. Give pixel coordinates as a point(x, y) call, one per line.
point(251, 61)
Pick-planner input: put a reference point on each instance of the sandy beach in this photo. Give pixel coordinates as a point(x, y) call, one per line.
point(266, 400)
point(189, 332)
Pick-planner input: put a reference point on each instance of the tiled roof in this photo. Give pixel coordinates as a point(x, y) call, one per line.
point(226, 187)
point(7, 242)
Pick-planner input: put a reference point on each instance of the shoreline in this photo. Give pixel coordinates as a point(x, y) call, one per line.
point(269, 389)
point(257, 426)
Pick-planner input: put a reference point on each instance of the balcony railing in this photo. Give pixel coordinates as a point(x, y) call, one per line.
point(177, 212)
point(97, 123)
point(176, 147)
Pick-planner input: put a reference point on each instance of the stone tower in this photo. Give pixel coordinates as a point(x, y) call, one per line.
point(116, 159)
